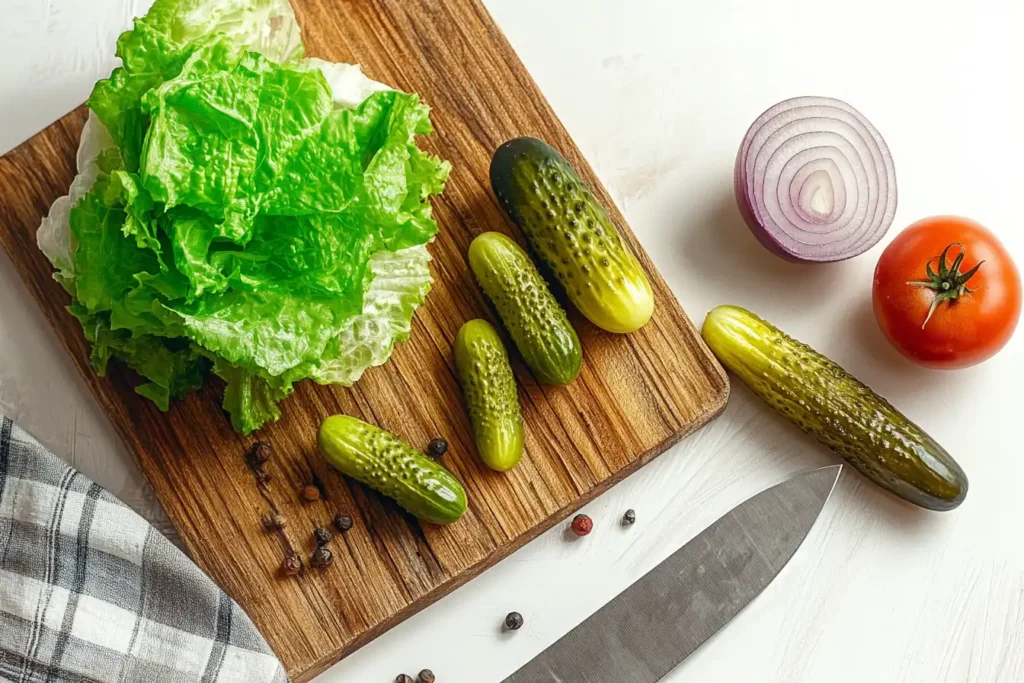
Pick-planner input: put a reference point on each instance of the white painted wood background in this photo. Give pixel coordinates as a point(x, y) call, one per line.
point(658, 94)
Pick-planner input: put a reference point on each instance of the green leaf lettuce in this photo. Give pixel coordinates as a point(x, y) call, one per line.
point(244, 211)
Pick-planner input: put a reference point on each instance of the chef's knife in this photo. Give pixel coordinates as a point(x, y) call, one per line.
point(649, 628)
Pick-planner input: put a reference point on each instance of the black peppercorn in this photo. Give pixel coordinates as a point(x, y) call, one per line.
point(342, 522)
point(257, 456)
point(402, 678)
point(514, 621)
point(261, 452)
point(437, 447)
point(427, 676)
point(322, 557)
point(322, 536)
point(291, 565)
point(272, 521)
point(629, 518)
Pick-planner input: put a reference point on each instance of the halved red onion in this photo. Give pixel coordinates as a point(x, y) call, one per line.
point(815, 180)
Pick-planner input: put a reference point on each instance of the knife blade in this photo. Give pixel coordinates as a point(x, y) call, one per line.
point(653, 625)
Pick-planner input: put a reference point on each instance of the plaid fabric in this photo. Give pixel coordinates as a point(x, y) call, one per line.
point(89, 591)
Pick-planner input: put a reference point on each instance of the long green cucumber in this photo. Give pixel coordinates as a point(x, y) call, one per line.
point(836, 409)
point(384, 462)
point(489, 389)
point(572, 234)
point(531, 314)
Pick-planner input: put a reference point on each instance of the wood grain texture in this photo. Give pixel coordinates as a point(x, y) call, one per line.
point(636, 396)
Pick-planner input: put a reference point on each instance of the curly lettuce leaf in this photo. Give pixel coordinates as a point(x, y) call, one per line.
point(401, 280)
point(249, 399)
point(96, 154)
point(105, 262)
point(173, 366)
point(264, 26)
point(161, 42)
point(240, 210)
point(222, 129)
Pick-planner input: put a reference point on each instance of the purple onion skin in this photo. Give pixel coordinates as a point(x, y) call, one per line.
point(756, 228)
point(887, 193)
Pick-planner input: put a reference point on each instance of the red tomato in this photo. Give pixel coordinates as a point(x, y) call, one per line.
point(947, 312)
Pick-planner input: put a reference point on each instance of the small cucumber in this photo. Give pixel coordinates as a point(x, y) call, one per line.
point(572, 234)
point(489, 388)
point(835, 408)
point(532, 316)
point(384, 462)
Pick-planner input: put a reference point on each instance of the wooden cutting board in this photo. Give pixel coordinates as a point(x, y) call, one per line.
point(637, 394)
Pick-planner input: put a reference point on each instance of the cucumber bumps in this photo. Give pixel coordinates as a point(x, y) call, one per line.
point(537, 324)
point(571, 234)
point(387, 464)
point(835, 408)
point(490, 391)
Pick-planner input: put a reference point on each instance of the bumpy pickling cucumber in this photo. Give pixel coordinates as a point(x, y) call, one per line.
point(531, 314)
point(489, 389)
point(835, 408)
point(384, 462)
point(572, 234)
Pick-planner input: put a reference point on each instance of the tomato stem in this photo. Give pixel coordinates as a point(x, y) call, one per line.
point(949, 284)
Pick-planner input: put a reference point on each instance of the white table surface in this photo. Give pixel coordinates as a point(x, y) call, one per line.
point(658, 94)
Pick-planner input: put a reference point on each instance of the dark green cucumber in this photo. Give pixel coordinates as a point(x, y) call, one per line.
point(489, 388)
point(572, 234)
point(531, 314)
point(835, 408)
point(384, 462)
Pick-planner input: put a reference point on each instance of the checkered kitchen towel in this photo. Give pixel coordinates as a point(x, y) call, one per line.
point(89, 591)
